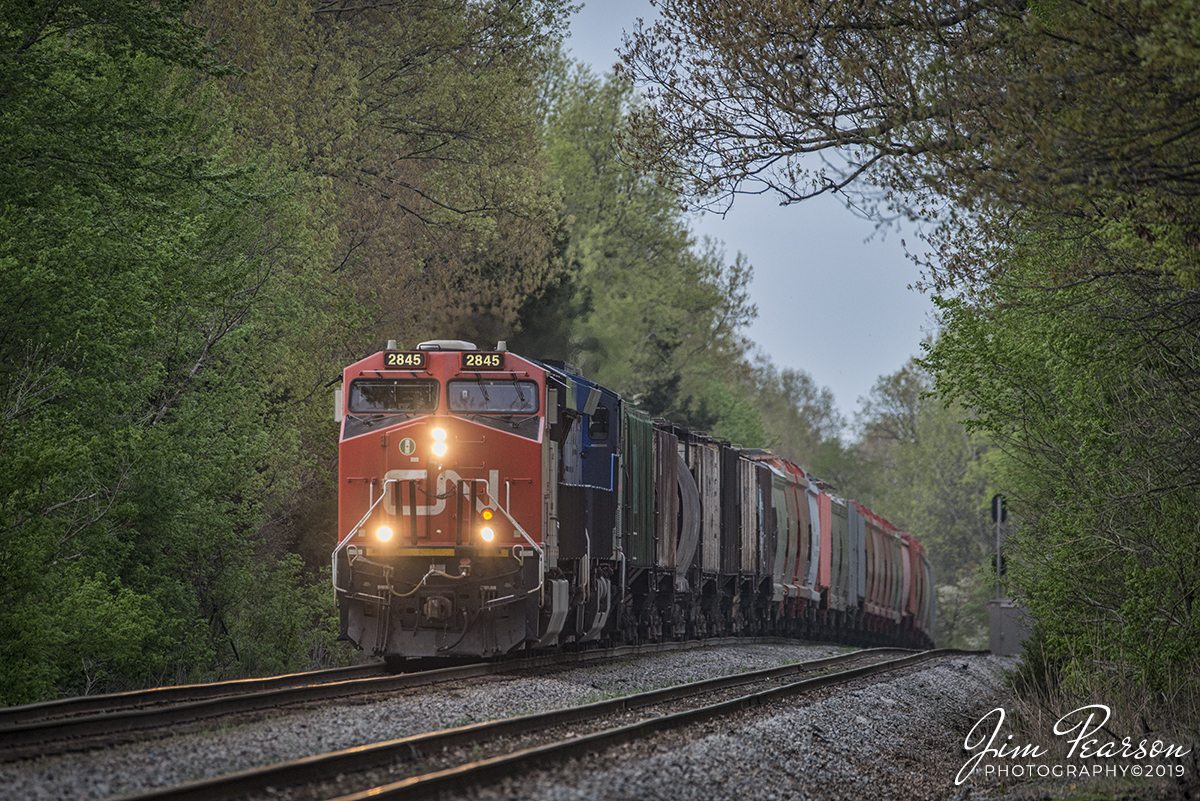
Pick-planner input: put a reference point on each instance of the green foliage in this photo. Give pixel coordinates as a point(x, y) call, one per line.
point(155, 294)
point(962, 607)
point(942, 112)
point(98, 632)
point(736, 419)
point(802, 422)
point(118, 28)
point(421, 133)
point(274, 618)
point(1089, 391)
point(642, 306)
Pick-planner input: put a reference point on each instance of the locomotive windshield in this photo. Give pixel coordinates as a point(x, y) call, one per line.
point(494, 395)
point(393, 396)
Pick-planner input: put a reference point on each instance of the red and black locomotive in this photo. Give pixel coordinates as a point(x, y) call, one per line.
point(491, 503)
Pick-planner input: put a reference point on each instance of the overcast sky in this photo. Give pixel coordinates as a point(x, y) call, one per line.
point(831, 293)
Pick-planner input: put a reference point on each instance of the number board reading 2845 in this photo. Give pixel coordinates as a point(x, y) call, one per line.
point(477, 360)
point(398, 360)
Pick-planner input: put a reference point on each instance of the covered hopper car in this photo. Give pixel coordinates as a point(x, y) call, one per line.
point(490, 503)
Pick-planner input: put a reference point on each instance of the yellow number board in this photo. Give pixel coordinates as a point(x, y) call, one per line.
point(475, 360)
point(395, 359)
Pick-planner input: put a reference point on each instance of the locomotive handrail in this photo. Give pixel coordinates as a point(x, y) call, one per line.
point(541, 554)
point(357, 527)
point(511, 519)
point(495, 501)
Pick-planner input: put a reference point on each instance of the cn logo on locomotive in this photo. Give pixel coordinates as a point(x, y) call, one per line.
point(445, 479)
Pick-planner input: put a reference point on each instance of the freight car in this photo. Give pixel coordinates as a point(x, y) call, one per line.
point(490, 503)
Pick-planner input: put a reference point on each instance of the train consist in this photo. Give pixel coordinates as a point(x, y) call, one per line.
point(491, 503)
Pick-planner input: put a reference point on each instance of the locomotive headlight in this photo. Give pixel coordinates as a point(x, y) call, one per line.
point(487, 533)
point(439, 446)
point(383, 533)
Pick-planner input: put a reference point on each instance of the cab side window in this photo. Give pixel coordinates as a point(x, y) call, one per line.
point(598, 424)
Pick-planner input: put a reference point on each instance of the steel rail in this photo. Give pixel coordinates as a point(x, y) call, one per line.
point(177, 694)
point(488, 770)
point(57, 735)
point(321, 767)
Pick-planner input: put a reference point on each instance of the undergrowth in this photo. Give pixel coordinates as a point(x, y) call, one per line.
point(1048, 686)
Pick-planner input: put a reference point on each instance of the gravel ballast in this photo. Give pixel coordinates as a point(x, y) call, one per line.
point(896, 736)
point(899, 737)
point(139, 767)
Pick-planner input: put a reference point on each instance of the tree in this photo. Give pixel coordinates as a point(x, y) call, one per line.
point(642, 307)
point(967, 113)
point(422, 137)
point(154, 295)
point(892, 412)
point(1090, 393)
point(799, 417)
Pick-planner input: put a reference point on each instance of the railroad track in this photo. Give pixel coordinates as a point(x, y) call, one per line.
point(425, 765)
point(72, 724)
point(113, 703)
point(86, 722)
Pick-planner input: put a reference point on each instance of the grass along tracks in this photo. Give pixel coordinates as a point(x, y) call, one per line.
point(427, 764)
